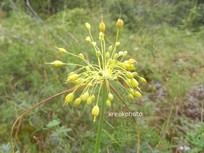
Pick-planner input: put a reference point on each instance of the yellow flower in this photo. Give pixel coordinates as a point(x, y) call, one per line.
point(110, 66)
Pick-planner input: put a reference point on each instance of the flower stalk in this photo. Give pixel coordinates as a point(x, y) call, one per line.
point(100, 125)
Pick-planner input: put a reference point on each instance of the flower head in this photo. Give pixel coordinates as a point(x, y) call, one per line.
point(110, 67)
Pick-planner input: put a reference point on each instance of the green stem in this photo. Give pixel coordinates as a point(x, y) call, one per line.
point(100, 126)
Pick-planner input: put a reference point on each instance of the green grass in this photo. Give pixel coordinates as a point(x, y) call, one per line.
point(167, 54)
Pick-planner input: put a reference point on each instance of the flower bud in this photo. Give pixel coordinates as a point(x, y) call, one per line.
point(95, 112)
point(130, 96)
point(89, 100)
point(129, 75)
point(117, 43)
point(131, 91)
point(85, 96)
point(138, 94)
point(94, 43)
point(119, 23)
point(101, 36)
point(57, 63)
point(116, 56)
point(72, 77)
point(88, 39)
point(128, 66)
point(132, 61)
point(108, 103)
point(107, 55)
point(98, 53)
point(88, 26)
point(134, 83)
point(102, 26)
point(69, 98)
point(62, 50)
point(143, 80)
point(81, 56)
point(128, 82)
point(77, 101)
point(110, 48)
point(93, 97)
point(120, 53)
point(110, 96)
point(125, 53)
point(135, 73)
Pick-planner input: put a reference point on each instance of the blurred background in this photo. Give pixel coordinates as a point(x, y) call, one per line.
point(166, 37)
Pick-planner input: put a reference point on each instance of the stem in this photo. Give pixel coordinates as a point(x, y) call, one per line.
point(100, 126)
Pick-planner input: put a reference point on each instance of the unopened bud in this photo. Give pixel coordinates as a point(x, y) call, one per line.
point(107, 55)
point(94, 43)
point(138, 94)
point(143, 80)
point(98, 53)
point(89, 100)
point(110, 96)
point(132, 61)
point(88, 39)
point(129, 75)
point(57, 63)
point(69, 98)
point(62, 50)
point(134, 83)
point(88, 26)
point(95, 112)
point(81, 56)
point(72, 77)
point(130, 96)
point(125, 53)
point(119, 23)
point(108, 103)
point(77, 101)
point(85, 96)
point(102, 26)
point(110, 48)
point(101, 36)
point(117, 43)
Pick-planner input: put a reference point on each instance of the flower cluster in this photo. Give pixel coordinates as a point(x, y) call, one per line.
point(110, 66)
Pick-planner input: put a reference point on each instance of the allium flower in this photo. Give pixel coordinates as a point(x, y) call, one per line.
point(111, 66)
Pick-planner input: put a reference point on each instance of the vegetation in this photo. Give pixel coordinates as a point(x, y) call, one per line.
point(166, 38)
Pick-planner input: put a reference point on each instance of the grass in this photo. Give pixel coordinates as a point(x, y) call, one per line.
point(168, 56)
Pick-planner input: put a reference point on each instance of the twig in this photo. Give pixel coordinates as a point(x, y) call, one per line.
point(35, 106)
